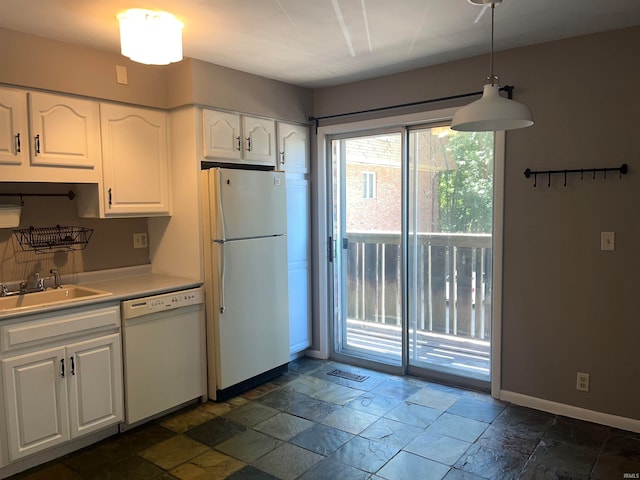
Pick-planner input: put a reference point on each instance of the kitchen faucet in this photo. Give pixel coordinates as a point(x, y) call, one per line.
point(32, 284)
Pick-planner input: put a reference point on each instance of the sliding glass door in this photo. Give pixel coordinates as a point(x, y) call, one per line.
point(449, 245)
point(412, 250)
point(367, 189)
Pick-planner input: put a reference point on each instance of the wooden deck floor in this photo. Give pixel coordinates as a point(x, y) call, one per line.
point(467, 355)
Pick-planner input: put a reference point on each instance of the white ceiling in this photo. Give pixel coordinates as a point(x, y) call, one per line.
point(315, 43)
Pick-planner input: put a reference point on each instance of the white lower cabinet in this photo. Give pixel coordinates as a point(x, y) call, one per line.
point(36, 402)
point(95, 384)
point(55, 393)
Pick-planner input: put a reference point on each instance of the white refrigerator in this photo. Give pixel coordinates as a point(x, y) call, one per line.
point(245, 246)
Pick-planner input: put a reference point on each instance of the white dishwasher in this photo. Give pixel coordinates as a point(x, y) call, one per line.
point(164, 347)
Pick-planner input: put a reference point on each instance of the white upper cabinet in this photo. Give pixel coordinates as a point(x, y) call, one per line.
point(260, 140)
point(233, 138)
point(14, 130)
point(293, 148)
point(135, 161)
point(64, 131)
point(60, 144)
point(221, 135)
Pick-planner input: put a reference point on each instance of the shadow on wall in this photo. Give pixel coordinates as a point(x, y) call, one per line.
point(110, 246)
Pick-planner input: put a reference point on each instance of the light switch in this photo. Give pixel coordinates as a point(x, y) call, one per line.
point(608, 241)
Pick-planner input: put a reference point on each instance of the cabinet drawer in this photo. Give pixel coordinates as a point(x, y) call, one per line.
point(44, 328)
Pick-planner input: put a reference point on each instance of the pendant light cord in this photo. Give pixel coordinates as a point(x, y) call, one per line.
point(492, 78)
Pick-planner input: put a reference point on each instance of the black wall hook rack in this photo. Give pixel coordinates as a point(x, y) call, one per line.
point(622, 169)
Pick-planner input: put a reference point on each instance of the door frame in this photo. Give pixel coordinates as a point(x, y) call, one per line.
point(366, 360)
point(322, 305)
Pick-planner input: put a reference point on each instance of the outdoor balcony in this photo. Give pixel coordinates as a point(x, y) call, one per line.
point(449, 286)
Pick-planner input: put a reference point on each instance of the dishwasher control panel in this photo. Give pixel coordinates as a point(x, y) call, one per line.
point(161, 303)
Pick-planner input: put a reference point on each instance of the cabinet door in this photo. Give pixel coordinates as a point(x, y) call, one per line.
point(65, 131)
point(293, 148)
point(95, 384)
point(35, 398)
point(298, 251)
point(135, 161)
point(221, 135)
point(14, 136)
point(259, 140)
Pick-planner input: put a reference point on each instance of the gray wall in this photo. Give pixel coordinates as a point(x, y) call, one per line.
point(567, 306)
point(39, 63)
point(33, 62)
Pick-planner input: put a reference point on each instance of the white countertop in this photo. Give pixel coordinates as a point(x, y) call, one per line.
point(142, 285)
point(123, 284)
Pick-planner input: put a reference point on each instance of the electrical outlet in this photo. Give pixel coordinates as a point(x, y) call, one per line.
point(140, 240)
point(582, 382)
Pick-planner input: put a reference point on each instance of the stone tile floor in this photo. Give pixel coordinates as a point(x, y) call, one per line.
point(309, 425)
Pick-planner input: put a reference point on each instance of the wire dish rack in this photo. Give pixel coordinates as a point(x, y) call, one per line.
point(60, 238)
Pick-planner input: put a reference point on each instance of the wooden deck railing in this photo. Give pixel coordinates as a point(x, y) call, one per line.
point(449, 279)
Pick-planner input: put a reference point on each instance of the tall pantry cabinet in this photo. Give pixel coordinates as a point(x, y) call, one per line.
point(293, 159)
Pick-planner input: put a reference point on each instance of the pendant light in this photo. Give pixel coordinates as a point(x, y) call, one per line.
point(150, 37)
point(491, 112)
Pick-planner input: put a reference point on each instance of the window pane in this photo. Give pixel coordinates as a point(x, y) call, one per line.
point(450, 229)
point(369, 190)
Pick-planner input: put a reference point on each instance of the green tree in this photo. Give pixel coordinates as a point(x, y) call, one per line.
point(466, 193)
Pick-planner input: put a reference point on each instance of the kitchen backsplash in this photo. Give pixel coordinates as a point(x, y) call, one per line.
point(110, 246)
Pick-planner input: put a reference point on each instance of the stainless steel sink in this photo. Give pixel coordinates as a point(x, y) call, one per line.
point(62, 295)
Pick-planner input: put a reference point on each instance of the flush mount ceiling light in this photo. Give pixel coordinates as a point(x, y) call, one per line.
point(491, 112)
point(150, 37)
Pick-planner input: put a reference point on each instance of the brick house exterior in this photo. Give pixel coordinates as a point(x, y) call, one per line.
point(374, 180)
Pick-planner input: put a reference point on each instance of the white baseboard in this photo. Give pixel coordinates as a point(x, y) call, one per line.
point(571, 411)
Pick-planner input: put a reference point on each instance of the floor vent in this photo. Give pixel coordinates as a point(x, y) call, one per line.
point(347, 375)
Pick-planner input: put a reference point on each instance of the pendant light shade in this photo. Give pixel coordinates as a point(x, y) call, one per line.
point(492, 112)
point(150, 37)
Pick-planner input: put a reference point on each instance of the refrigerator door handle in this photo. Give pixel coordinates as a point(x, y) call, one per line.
point(220, 233)
point(221, 276)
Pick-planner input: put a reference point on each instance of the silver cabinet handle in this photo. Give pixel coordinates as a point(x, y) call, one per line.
point(37, 144)
point(282, 157)
point(18, 149)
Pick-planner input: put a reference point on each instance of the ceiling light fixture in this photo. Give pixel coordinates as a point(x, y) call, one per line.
point(491, 112)
point(150, 37)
